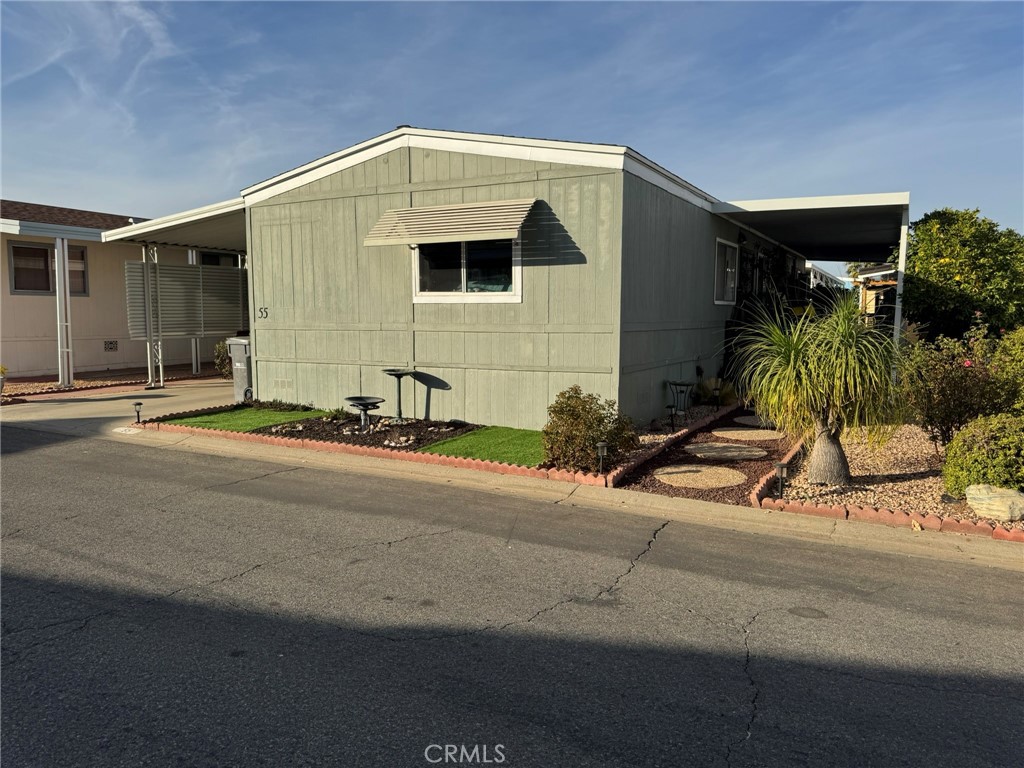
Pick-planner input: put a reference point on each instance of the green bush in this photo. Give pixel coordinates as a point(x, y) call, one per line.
point(946, 384)
point(222, 360)
point(577, 422)
point(1008, 366)
point(989, 450)
point(704, 393)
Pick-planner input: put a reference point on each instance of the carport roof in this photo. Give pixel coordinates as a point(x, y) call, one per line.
point(217, 227)
point(831, 228)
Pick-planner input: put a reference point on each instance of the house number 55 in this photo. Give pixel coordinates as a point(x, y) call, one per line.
point(264, 313)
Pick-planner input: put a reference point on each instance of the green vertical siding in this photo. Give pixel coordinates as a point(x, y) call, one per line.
point(670, 322)
point(340, 311)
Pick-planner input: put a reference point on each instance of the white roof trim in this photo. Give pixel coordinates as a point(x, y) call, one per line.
point(40, 229)
point(608, 156)
point(138, 232)
point(540, 150)
point(810, 203)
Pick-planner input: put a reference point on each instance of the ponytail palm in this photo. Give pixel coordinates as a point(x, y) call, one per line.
point(816, 376)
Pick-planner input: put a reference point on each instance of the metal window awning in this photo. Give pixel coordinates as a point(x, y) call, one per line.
point(498, 220)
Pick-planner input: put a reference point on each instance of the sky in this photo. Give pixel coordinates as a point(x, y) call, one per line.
point(148, 109)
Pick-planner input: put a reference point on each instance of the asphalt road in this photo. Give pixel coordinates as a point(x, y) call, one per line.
point(168, 608)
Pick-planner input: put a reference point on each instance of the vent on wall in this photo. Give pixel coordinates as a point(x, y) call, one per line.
point(110, 346)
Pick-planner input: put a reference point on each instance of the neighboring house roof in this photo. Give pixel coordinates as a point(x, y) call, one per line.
point(64, 217)
point(876, 270)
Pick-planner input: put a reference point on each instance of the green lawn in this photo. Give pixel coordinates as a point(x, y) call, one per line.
point(511, 446)
point(245, 419)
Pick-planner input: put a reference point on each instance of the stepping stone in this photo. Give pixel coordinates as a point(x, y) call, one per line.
point(726, 451)
point(697, 476)
point(744, 433)
point(752, 421)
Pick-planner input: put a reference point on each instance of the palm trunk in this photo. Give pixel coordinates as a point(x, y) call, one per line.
point(827, 464)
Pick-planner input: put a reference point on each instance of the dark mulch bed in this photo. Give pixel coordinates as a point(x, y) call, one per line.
point(642, 478)
point(412, 435)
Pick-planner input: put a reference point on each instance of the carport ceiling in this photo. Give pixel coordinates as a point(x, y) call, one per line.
point(842, 228)
point(218, 227)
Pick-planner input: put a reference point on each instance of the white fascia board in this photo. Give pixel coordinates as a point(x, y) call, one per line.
point(138, 232)
point(38, 229)
point(643, 168)
point(809, 203)
point(539, 150)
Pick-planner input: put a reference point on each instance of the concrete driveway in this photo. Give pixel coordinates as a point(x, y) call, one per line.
point(97, 412)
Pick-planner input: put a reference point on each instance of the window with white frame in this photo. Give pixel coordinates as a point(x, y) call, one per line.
point(33, 267)
point(472, 271)
point(727, 261)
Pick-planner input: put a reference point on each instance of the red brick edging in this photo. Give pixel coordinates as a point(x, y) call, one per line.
point(608, 479)
point(759, 499)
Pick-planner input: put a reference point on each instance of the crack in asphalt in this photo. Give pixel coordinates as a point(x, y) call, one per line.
point(634, 561)
point(753, 684)
point(84, 621)
point(210, 487)
point(546, 609)
point(568, 495)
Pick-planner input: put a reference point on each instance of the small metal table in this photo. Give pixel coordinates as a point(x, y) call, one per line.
point(364, 405)
point(681, 391)
point(398, 373)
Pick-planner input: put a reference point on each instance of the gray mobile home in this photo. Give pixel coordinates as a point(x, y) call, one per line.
point(504, 270)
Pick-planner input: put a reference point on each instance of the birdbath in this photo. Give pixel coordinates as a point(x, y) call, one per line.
point(364, 405)
point(398, 373)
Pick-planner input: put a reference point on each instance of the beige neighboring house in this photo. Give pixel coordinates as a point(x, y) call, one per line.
point(35, 240)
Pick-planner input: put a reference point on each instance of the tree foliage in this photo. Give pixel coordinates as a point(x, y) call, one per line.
point(816, 375)
point(959, 263)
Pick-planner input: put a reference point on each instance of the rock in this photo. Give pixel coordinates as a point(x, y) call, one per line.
point(1003, 504)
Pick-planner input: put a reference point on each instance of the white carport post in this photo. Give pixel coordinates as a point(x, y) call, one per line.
point(900, 269)
point(65, 360)
point(193, 258)
point(154, 337)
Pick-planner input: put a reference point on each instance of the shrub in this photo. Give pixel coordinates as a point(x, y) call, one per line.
point(222, 360)
point(577, 422)
point(989, 450)
point(280, 405)
point(704, 393)
point(948, 383)
point(1008, 366)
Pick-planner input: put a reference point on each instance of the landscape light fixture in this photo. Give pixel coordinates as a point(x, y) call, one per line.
point(138, 412)
point(781, 472)
point(602, 451)
point(672, 411)
point(718, 393)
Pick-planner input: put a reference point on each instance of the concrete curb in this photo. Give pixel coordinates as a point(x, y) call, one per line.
point(564, 475)
point(759, 498)
point(131, 384)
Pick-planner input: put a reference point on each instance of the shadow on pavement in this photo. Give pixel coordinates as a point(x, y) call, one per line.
point(93, 676)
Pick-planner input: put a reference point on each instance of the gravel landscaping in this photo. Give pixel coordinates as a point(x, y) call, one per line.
point(383, 432)
point(645, 478)
point(904, 474)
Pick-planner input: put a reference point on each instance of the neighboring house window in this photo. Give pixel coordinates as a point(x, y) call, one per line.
point(218, 259)
point(474, 271)
point(33, 266)
point(726, 269)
